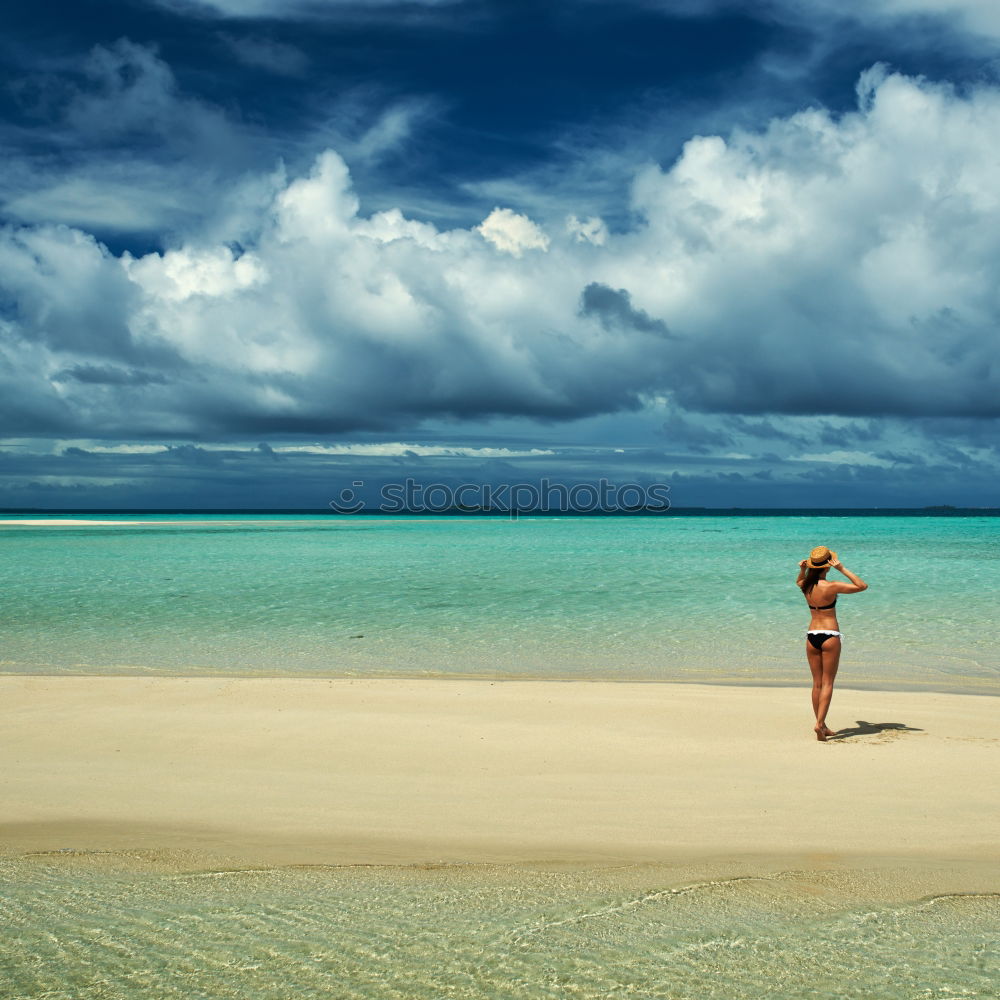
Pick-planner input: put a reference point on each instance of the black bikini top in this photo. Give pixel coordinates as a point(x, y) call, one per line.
point(825, 607)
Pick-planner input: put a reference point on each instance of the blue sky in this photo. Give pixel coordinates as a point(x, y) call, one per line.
point(253, 251)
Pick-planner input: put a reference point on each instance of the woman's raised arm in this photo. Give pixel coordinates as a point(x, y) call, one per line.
point(855, 586)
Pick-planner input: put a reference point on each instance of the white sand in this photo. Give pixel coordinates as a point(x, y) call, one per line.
point(401, 771)
point(66, 522)
point(56, 522)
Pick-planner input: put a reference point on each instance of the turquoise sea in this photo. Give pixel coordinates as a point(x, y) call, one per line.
point(690, 598)
point(707, 598)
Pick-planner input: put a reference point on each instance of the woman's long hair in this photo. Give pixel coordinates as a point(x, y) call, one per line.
point(812, 578)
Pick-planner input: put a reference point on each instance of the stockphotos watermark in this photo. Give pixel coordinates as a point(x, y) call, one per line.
point(543, 497)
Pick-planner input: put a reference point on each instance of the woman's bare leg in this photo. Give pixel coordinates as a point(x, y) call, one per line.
point(815, 658)
point(830, 661)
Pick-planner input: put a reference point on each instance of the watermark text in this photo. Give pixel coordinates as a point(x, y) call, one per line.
point(541, 497)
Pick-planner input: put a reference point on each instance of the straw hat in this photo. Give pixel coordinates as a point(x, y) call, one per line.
point(821, 557)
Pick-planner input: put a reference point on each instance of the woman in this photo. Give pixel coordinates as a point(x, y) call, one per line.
point(823, 637)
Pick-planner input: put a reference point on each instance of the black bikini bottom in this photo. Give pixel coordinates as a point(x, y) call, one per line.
point(817, 638)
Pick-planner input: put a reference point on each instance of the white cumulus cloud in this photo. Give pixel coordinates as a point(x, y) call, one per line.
point(823, 265)
point(512, 233)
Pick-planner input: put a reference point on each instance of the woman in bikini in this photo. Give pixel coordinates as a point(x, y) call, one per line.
point(823, 637)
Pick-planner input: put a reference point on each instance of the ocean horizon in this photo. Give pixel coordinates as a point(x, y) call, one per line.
point(933, 510)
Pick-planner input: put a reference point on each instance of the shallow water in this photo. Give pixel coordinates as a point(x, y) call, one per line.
point(89, 926)
point(670, 598)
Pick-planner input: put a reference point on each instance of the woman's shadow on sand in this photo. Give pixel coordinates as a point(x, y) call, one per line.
point(886, 730)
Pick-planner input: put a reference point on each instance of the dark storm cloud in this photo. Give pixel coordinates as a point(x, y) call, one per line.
point(725, 384)
point(763, 429)
point(695, 434)
point(614, 309)
point(95, 475)
point(109, 375)
point(980, 433)
point(898, 459)
point(858, 432)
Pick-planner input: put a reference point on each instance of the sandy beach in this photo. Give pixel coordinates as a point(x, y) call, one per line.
point(56, 522)
point(414, 771)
